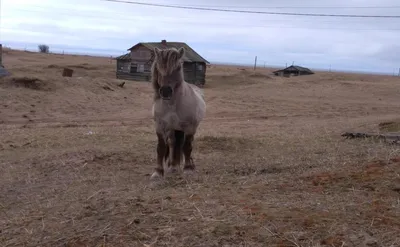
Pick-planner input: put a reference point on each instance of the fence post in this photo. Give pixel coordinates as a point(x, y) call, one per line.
point(1, 55)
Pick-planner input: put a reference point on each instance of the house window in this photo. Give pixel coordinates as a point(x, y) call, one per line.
point(200, 67)
point(133, 67)
point(140, 68)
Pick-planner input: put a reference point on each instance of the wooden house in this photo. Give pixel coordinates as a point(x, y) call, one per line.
point(293, 70)
point(136, 64)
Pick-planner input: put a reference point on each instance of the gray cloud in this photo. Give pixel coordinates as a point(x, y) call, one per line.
point(226, 37)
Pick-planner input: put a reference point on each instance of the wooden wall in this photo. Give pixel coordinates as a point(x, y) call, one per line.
point(195, 72)
point(140, 54)
point(123, 65)
point(133, 76)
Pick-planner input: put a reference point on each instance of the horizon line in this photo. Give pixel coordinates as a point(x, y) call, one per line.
point(100, 55)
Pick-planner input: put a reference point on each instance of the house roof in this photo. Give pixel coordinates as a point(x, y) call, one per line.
point(190, 54)
point(126, 56)
point(295, 67)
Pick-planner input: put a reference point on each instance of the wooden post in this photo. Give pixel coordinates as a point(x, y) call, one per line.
point(255, 63)
point(1, 55)
point(67, 72)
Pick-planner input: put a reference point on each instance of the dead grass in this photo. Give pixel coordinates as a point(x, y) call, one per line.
point(273, 169)
point(392, 126)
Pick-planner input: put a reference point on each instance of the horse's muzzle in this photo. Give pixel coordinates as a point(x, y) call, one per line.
point(166, 92)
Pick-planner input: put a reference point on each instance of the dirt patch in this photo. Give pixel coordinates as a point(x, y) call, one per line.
point(259, 75)
point(27, 82)
point(378, 176)
point(242, 77)
point(84, 66)
point(105, 87)
point(225, 143)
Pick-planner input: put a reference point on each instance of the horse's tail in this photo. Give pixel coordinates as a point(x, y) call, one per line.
point(178, 147)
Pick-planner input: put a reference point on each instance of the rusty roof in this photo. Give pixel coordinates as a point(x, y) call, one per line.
point(190, 54)
point(296, 68)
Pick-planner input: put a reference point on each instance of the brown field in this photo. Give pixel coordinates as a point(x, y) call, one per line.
point(76, 155)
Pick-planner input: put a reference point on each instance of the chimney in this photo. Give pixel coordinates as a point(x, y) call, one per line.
point(164, 42)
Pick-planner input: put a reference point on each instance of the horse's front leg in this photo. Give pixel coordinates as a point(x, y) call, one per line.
point(161, 151)
point(187, 151)
point(175, 143)
point(171, 140)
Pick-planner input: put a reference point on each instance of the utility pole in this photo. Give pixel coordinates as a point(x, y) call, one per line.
point(255, 63)
point(0, 21)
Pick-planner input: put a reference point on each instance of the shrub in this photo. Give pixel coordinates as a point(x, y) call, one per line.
point(44, 48)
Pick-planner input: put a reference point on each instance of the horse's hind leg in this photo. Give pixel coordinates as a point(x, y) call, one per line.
point(161, 150)
point(187, 151)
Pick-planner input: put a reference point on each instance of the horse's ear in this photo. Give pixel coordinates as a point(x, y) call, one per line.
point(157, 52)
point(181, 52)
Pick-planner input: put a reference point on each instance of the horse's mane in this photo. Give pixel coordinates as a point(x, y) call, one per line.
point(165, 61)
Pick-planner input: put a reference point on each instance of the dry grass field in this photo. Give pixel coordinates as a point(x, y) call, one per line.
point(272, 168)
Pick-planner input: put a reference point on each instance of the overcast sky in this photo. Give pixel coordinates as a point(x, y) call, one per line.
point(317, 42)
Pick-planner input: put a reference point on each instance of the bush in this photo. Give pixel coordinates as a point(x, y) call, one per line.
point(44, 48)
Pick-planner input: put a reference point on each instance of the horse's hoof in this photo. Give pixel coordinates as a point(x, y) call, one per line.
point(173, 171)
point(156, 176)
point(188, 170)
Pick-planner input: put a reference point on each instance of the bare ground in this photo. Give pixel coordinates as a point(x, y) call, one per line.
point(76, 155)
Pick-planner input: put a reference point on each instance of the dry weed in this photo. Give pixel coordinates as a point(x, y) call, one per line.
point(273, 169)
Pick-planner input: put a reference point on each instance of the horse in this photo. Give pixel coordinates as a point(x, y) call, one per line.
point(178, 108)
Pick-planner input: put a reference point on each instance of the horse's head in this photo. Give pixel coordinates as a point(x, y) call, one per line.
point(167, 73)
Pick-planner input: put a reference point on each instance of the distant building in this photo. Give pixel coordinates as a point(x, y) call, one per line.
point(3, 71)
point(293, 70)
point(136, 64)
